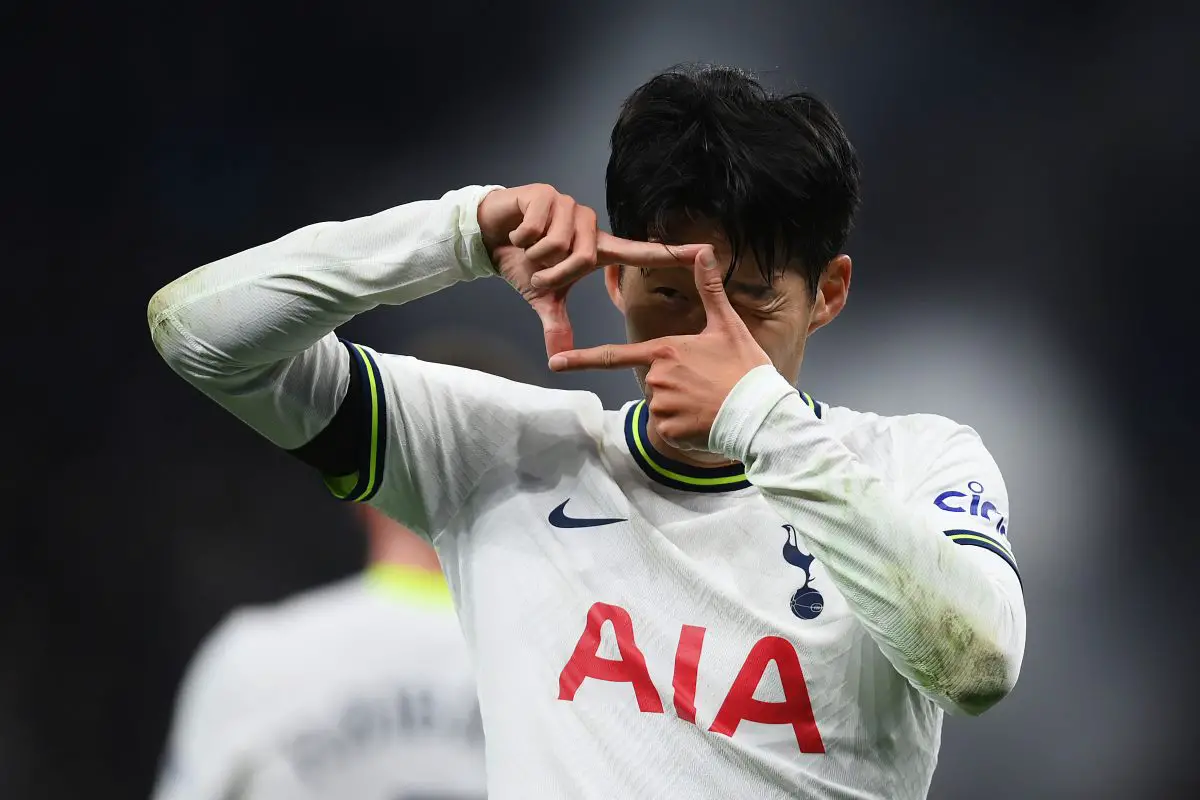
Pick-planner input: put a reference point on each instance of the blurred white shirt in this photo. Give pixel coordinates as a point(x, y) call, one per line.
point(363, 689)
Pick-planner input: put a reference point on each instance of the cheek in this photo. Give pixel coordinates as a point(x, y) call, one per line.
point(782, 340)
point(652, 320)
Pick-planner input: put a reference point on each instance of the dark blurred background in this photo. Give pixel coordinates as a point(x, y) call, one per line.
point(1023, 259)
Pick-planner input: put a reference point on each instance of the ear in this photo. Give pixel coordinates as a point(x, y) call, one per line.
point(832, 292)
point(612, 282)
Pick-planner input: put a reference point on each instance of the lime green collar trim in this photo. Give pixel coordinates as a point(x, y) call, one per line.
point(412, 584)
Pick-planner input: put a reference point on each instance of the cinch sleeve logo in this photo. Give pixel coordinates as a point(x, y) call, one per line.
point(971, 502)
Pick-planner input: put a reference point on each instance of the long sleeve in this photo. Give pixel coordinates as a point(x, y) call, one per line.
point(253, 331)
point(949, 617)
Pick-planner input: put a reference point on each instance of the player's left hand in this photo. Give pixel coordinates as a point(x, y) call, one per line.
point(542, 242)
point(689, 376)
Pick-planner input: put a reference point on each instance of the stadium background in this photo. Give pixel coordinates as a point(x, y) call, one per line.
point(1022, 264)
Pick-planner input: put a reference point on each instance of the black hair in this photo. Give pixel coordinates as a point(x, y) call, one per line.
point(776, 173)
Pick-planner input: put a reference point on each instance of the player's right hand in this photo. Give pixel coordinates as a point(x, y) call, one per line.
point(541, 241)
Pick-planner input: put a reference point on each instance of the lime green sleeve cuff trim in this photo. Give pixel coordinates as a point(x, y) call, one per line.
point(341, 485)
point(370, 429)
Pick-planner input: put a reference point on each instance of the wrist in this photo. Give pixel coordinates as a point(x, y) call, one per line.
point(497, 215)
point(477, 244)
point(745, 409)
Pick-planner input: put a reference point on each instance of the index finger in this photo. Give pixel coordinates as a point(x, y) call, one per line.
point(615, 250)
point(606, 356)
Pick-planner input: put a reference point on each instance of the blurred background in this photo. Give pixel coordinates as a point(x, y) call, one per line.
point(1023, 264)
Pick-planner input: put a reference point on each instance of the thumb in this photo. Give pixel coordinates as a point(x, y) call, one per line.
point(710, 282)
point(556, 325)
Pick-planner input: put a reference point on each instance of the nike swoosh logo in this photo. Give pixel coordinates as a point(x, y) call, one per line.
point(559, 519)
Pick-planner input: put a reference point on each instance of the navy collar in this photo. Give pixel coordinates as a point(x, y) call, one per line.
point(676, 474)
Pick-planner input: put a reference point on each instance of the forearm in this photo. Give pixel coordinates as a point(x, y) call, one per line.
point(952, 628)
point(243, 327)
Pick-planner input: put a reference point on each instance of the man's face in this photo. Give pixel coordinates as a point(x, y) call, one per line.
point(780, 315)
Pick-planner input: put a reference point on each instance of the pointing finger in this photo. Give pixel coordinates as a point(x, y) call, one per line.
point(607, 356)
point(615, 250)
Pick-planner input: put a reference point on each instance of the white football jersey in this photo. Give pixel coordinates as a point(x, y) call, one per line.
point(362, 690)
point(651, 629)
point(791, 626)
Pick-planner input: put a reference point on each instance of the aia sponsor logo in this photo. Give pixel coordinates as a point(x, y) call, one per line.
point(739, 705)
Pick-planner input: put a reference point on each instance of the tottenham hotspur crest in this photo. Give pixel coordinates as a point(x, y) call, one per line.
point(807, 602)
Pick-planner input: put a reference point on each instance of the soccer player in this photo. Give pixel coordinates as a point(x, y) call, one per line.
point(361, 689)
point(725, 588)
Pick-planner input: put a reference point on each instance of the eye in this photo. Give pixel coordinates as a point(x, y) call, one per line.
point(669, 293)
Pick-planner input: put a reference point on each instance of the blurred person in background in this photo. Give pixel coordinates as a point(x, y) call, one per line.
point(725, 589)
point(361, 689)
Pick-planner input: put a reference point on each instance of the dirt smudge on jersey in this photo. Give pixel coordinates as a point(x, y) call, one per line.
point(950, 657)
